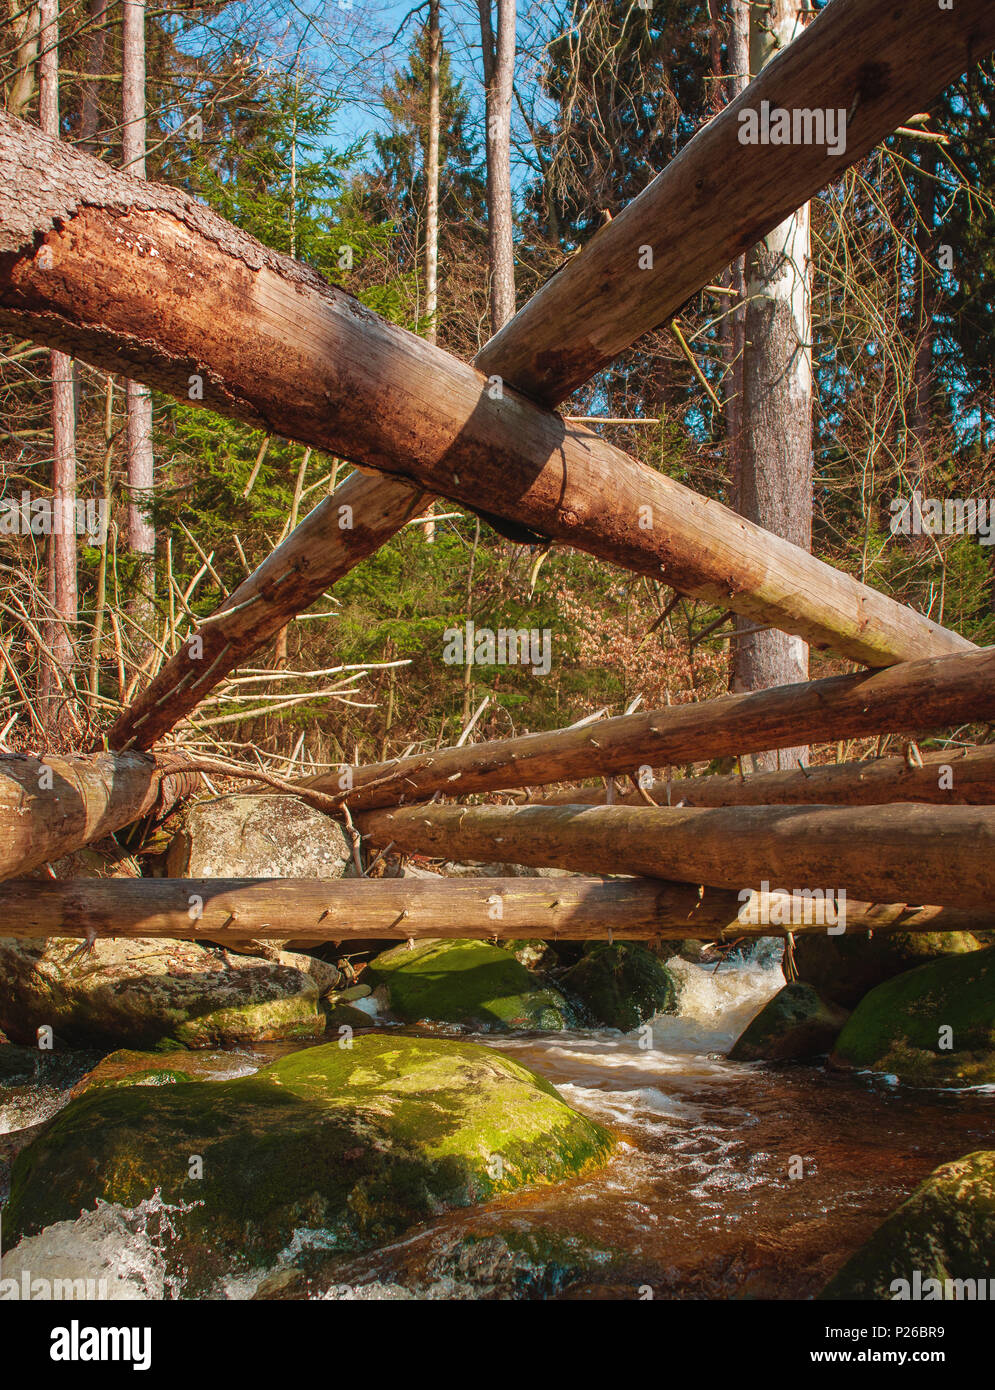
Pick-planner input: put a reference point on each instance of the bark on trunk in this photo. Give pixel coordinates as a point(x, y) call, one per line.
point(775, 441)
point(913, 696)
point(74, 240)
point(432, 195)
point(62, 542)
point(734, 323)
point(954, 777)
point(89, 103)
point(141, 461)
point(913, 854)
point(24, 21)
point(918, 404)
point(51, 806)
point(499, 72)
point(432, 172)
point(566, 909)
point(877, 63)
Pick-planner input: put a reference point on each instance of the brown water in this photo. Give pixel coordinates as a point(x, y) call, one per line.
point(699, 1201)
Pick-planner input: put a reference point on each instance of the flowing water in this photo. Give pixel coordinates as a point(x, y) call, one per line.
point(731, 1179)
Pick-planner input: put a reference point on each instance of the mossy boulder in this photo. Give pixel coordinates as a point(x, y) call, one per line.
point(796, 1023)
point(845, 968)
point(466, 982)
point(355, 1143)
point(621, 985)
point(943, 1234)
point(145, 992)
point(934, 1026)
point(127, 1067)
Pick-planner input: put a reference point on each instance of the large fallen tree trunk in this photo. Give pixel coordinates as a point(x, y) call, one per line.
point(870, 64)
point(52, 805)
point(318, 910)
point(128, 274)
point(917, 695)
point(952, 777)
point(935, 854)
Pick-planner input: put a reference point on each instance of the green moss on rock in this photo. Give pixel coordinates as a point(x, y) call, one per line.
point(359, 1143)
point(795, 1023)
point(943, 1235)
point(933, 1026)
point(844, 968)
point(466, 982)
point(621, 985)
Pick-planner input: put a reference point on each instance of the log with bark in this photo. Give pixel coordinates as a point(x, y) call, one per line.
point(52, 805)
point(878, 64)
point(569, 909)
point(136, 276)
point(917, 695)
point(924, 854)
point(951, 777)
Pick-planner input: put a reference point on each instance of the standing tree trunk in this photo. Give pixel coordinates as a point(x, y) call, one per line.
point(734, 322)
point(775, 480)
point(432, 172)
point(141, 532)
point(432, 192)
point(499, 73)
point(62, 541)
point(918, 401)
point(23, 22)
point(89, 120)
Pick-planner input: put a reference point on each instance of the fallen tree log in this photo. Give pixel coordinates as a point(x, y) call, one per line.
point(100, 265)
point(917, 695)
point(952, 777)
point(935, 854)
point(50, 806)
point(876, 64)
point(569, 909)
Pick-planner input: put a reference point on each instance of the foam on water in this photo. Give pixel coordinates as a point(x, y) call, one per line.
point(645, 1076)
point(113, 1252)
